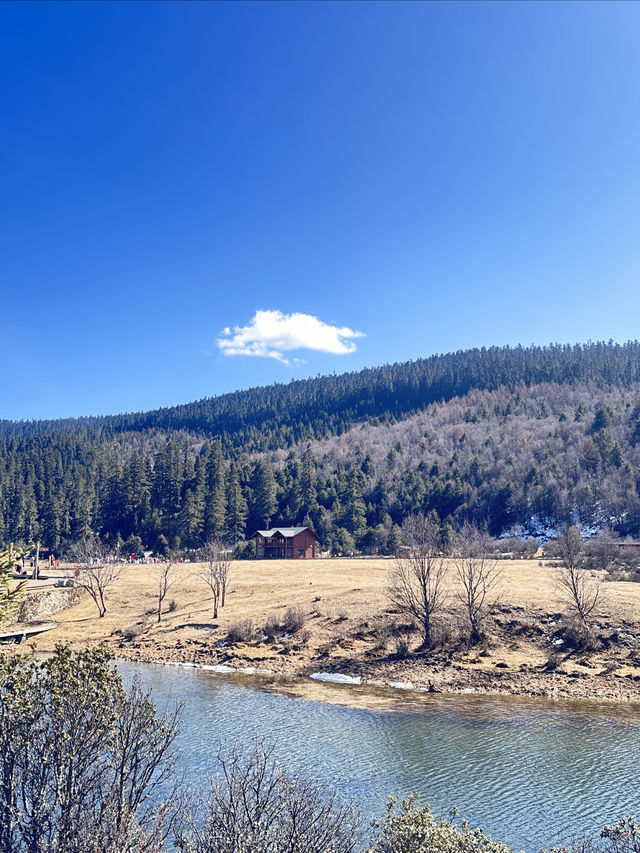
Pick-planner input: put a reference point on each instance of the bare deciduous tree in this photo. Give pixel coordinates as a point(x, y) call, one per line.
point(479, 576)
point(215, 571)
point(165, 574)
point(417, 583)
point(224, 568)
point(97, 572)
point(583, 590)
point(256, 808)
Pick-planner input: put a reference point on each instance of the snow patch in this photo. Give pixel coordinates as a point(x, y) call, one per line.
point(336, 678)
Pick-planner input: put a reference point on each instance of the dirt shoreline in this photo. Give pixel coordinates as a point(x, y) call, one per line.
point(413, 676)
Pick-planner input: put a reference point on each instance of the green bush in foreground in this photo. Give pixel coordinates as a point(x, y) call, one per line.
point(414, 829)
point(10, 593)
point(85, 767)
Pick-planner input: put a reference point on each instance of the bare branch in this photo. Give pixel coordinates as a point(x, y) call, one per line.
point(215, 571)
point(582, 589)
point(417, 583)
point(255, 807)
point(97, 573)
point(479, 577)
point(165, 574)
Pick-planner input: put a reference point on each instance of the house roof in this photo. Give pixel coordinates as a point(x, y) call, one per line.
point(287, 532)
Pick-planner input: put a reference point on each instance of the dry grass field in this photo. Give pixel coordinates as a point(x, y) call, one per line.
point(349, 627)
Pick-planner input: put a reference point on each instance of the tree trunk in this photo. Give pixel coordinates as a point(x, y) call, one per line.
point(35, 574)
point(427, 633)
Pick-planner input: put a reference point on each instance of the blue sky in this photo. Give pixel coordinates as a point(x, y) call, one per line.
point(404, 179)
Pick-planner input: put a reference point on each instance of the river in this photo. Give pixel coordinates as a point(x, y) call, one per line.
point(532, 772)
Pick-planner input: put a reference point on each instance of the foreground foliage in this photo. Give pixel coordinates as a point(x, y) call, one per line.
point(84, 766)
point(10, 593)
point(255, 808)
point(414, 829)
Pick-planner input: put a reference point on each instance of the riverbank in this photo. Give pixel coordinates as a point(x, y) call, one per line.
point(348, 627)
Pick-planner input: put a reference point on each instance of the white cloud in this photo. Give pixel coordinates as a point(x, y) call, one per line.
point(271, 333)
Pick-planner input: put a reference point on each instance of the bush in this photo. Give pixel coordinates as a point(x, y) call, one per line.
point(133, 631)
point(444, 633)
point(244, 550)
point(71, 699)
point(402, 647)
point(416, 830)
point(272, 627)
point(579, 636)
point(294, 619)
point(553, 662)
point(241, 631)
point(173, 604)
point(254, 807)
point(380, 637)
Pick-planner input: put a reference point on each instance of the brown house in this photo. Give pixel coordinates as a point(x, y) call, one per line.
point(285, 543)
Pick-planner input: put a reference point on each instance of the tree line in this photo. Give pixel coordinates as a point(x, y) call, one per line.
point(282, 415)
point(492, 448)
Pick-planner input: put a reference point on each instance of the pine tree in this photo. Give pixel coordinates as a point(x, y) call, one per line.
point(263, 485)
point(215, 503)
point(308, 494)
point(237, 509)
point(10, 594)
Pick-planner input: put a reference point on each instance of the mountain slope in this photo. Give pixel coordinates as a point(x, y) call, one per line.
point(501, 436)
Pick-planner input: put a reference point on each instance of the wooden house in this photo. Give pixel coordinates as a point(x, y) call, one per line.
point(285, 543)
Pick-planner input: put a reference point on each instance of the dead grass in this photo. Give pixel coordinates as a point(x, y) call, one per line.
point(342, 603)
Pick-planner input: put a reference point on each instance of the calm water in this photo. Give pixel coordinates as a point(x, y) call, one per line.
point(532, 772)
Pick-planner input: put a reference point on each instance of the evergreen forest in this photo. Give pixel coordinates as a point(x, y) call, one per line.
point(521, 440)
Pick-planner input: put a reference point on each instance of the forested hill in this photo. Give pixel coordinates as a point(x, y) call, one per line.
point(525, 437)
point(266, 418)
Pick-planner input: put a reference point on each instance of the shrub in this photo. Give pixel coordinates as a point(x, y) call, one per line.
point(173, 604)
point(133, 631)
point(416, 830)
point(402, 647)
point(240, 631)
point(553, 662)
point(380, 638)
point(579, 636)
point(244, 550)
point(82, 739)
point(254, 807)
point(444, 633)
point(294, 619)
point(272, 627)
point(305, 636)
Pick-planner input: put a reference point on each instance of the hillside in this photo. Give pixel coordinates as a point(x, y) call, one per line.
point(503, 436)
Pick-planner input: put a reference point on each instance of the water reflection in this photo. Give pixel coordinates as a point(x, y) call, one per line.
point(532, 772)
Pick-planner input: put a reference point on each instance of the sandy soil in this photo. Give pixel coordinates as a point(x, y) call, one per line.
point(350, 627)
